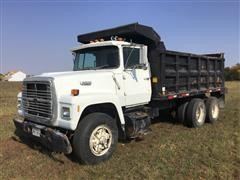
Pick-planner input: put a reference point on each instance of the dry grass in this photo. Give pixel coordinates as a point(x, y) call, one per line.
point(171, 151)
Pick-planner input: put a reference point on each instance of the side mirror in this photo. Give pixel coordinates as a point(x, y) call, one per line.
point(74, 55)
point(144, 67)
point(140, 66)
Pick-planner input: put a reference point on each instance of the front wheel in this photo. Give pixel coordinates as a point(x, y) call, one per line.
point(96, 138)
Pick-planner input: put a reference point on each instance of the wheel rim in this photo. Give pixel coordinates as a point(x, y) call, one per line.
point(100, 140)
point(215, 111)
point(200, 114)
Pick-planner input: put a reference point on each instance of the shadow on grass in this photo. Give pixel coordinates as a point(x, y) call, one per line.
point(166, 116)
point(35, 144)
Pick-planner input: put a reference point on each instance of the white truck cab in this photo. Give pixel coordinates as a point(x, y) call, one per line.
point(112, 72)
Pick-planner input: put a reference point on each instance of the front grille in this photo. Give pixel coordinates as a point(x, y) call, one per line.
point(37, 99)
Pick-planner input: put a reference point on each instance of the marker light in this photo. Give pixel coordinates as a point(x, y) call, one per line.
point(75, 92)
point(154, 80)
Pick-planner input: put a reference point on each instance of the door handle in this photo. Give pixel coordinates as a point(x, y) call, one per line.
point(116, 82)
point(146, 78)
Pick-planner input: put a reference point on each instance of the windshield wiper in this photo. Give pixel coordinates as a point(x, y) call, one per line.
point(100, 67)
point(86, 68)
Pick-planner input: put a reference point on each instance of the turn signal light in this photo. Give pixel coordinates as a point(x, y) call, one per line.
point(75, 92)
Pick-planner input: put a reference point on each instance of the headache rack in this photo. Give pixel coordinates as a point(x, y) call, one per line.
point(135, 32)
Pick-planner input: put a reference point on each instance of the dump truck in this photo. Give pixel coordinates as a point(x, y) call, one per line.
point(122, 79)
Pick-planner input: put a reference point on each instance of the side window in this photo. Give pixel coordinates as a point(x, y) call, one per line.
point(131, 56)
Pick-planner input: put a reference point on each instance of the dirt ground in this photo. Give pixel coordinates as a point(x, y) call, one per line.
point(171, 151)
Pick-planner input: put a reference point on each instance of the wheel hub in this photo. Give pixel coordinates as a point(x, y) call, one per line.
point(100, 140)
point(215, 111)
point(200, 114)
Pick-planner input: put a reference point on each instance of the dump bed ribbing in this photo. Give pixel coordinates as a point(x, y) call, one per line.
point(186, 74)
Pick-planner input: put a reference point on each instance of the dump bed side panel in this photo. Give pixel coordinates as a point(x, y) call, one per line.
point(183, 73)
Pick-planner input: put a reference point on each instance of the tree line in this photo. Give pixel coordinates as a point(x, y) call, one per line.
point(1, 77)
point(232, 73)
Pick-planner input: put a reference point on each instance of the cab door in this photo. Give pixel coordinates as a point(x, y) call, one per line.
point(136, 75)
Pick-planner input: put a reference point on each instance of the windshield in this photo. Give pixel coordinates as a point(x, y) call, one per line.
point(104, 57)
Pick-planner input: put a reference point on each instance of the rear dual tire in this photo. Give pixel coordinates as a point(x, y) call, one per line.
point(181, 112)
point(212, 106)
point(196, 112)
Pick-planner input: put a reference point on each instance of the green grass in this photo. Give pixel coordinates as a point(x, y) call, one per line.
point(8, 100)
point(171, 151)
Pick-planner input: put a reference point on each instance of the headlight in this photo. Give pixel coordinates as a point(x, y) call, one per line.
point(19, 104)
point(66, 113)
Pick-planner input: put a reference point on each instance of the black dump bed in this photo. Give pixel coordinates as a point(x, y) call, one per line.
point(184, 74)
point(173, 73)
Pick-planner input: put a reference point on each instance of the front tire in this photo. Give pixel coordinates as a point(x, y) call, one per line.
point(95, 138)
point(196, 113)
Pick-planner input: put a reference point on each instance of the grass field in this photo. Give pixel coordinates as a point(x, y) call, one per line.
point(171, 151)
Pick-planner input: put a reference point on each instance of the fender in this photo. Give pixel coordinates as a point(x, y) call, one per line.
point(79, 103)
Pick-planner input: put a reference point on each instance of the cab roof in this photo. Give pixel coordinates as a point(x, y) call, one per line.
point(103, 43)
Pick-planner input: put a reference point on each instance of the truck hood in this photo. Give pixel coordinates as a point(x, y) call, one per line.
point(88, 82)
point(70, 73)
